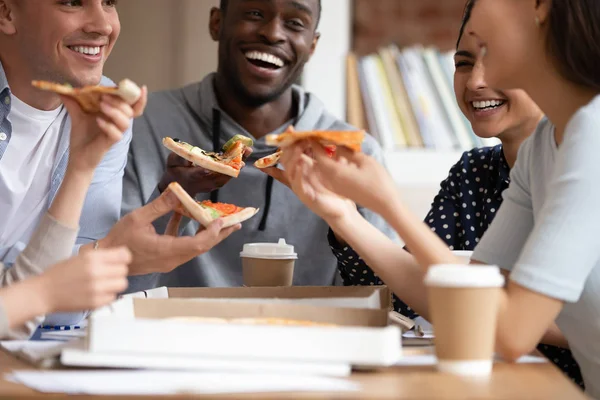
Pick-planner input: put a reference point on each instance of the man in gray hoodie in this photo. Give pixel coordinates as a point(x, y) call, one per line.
point(263, 47)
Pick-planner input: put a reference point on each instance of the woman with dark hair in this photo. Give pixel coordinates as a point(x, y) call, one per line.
point(477, 180)
point(544, 235)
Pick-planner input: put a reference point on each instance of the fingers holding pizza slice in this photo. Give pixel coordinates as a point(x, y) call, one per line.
point(90, 97)
point(205, 212)
point(228, 162)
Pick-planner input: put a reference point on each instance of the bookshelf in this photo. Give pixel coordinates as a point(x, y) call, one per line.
point(416, 170)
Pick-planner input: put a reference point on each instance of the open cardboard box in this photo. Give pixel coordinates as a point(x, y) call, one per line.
point(135, 331)
point(347, 306)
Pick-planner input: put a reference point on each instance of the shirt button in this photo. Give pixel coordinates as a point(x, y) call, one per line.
point(2, 136)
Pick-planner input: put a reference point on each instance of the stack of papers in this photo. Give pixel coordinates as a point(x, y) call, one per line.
point(43, 354)
point(121, 383)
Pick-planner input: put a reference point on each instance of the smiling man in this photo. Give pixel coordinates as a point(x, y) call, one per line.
point(68, 41)
point(263, 47)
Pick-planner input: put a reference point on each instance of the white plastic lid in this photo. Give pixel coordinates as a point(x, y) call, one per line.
point(275, 251)
point(456, 275)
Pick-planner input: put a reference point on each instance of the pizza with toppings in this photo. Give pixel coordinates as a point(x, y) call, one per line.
point(228, 162)
point(349, 139)
point(89, 97)
point(329, 139)
point(269, 161)
point(205, 212)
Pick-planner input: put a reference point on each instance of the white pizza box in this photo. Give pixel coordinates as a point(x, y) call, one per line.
point(138, 332)
point(80, 357)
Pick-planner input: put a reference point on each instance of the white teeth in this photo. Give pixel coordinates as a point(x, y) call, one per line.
point(265, 57)
point(86, 50)
point(479, 105)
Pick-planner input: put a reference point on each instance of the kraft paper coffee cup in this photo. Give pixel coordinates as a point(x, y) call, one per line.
point(268, 264)
point(463, 302)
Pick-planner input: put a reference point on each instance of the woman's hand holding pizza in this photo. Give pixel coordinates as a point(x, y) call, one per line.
point(92, 134)
point(352, 175)
point(300, 175)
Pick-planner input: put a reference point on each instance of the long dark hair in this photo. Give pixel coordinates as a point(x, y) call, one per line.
point(574, 40)
point(466, 18)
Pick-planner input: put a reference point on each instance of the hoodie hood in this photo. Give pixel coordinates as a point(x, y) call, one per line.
point(202, 101)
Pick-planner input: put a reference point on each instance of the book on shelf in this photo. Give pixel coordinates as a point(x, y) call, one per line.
point(405, 99)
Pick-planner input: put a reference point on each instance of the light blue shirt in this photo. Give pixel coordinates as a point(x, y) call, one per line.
point(546, 231)
point(102, 205)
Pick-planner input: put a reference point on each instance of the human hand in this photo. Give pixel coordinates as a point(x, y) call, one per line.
point(92, 135)
point(153, 252)
point(194, 179)
point(306, 184)
point(86, 281)
point(354, 175)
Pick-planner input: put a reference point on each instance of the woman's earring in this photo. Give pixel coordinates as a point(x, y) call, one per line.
point(538, 23)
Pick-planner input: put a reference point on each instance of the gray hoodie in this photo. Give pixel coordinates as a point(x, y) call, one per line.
point(192, 114)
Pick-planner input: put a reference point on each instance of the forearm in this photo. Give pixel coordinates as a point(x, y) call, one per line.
point(396, 267)
point(68, 203)
point(23, 305)
point(426, 247)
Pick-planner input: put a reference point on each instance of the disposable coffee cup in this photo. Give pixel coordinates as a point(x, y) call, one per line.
point(268, 264)
point(463, 302)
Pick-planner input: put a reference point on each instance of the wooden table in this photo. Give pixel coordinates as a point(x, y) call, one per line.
point(508, 381)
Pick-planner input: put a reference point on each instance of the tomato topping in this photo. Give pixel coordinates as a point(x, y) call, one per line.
point(330, 150)
point(223, 208)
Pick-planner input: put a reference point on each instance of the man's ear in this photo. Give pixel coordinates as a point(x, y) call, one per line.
point(7, 25)
point(314, 43)
point(214, 24)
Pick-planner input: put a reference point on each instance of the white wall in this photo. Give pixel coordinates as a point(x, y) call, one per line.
point(325, 74)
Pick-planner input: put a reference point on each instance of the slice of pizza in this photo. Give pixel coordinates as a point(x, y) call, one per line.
point(273, 159)
point(228, 162)
point(350, 139)
point(269, 161)
point(89, 97)
point(205, 212)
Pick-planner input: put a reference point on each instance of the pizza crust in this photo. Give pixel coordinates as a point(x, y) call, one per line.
point(269, 161)
point(199, 159)
point(89, 97)
point(203, 216)
point(350, 139)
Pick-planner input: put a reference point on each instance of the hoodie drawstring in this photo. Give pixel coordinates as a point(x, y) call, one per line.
point(269, 190)
point(216, 136)
point(214, 196)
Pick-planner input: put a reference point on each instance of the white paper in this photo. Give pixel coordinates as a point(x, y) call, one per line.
point(165, 383)
point(40, 353)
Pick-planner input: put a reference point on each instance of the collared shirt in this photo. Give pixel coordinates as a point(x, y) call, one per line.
point(460, 214)
point(102, 206)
